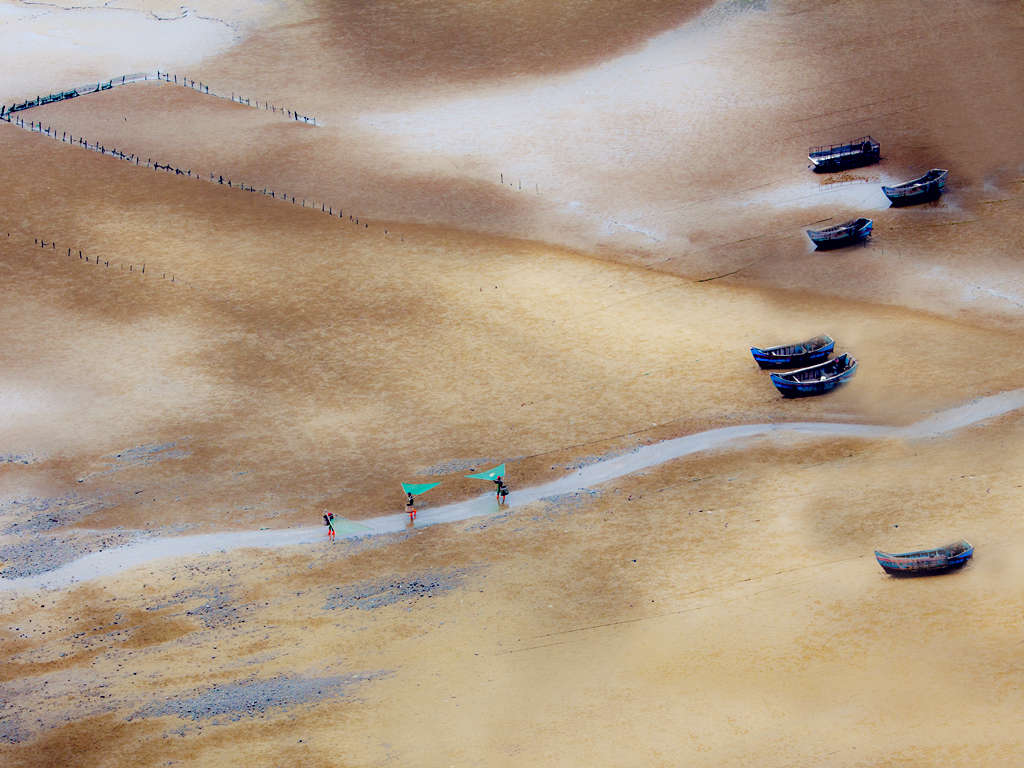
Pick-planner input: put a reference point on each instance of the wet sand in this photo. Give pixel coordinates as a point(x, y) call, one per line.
point(526, 290)
point(586, 480)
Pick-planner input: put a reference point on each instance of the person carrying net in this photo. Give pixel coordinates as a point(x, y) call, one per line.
point(500, 489)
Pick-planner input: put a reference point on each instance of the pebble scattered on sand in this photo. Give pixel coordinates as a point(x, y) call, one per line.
point(218, 609)
point(569, 501)
point(17, 458)
point(370, 595)
point(139, 456)
point(35, 514)
point(251, 698)
point(38, 553)
point(457, 465)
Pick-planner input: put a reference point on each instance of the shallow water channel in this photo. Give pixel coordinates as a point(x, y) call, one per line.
point(113, 560)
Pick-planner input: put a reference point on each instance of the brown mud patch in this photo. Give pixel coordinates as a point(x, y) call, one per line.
point(405, 44)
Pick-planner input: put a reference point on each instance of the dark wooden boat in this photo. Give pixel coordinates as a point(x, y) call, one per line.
point(927, 187)
point(815, 379)
point(793, 355)
point(926, 561)
point(852, 231)
point(850, 154)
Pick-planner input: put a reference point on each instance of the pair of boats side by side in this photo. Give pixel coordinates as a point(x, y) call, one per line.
point(855, 153)
point(815, 373)
point(818, 375)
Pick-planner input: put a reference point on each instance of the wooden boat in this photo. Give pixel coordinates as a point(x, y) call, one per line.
point(852, 231)
point(927, 187)
point(851, 154)
point(815, 379)
point(793, 355)
point(926, 561)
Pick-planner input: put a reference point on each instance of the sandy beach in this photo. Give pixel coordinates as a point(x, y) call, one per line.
point(434, 238)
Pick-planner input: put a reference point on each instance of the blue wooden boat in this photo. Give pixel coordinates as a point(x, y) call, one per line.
point(852, 231)
point(927, 187)
point(850, 154)
point(794, 355)
point(926, 561)
point(815, 379)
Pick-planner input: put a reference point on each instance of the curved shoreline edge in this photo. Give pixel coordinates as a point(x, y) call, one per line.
point(104, 563)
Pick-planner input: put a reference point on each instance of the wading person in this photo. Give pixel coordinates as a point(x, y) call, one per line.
point(411, 491)
point(329, 522)
point(500, 490)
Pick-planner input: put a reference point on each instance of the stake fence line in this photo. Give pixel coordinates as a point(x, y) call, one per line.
point(70, 252)
point(196, 85)
point(166, 77)
point(215, 178)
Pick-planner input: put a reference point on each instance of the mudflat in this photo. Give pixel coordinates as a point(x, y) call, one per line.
point(545, 242)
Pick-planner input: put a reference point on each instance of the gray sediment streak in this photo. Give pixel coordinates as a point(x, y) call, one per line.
point(111, 561)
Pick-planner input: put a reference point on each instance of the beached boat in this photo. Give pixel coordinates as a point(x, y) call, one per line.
point(852, 231)
point(927, 187)
point(794, 355)
point(815, 379)
point(851, 154)
point(926, 561)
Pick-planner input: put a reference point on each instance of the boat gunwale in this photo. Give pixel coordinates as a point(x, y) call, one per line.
point(922, 554)
point(850, 366)
point(773, 351)
point(856, 146)
point(850, 226)
point(920, 181)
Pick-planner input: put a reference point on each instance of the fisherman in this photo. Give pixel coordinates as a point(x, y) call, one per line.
point(500, 490)
point(329, 522)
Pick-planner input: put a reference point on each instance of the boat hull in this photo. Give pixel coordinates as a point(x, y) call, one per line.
point(904, 573)
point(815, 379)
point(809, 389)
point(923, 563)
point(842, 162)
point(924, 194)
point(850, 154)
point(826, 243)
point(791, 361)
